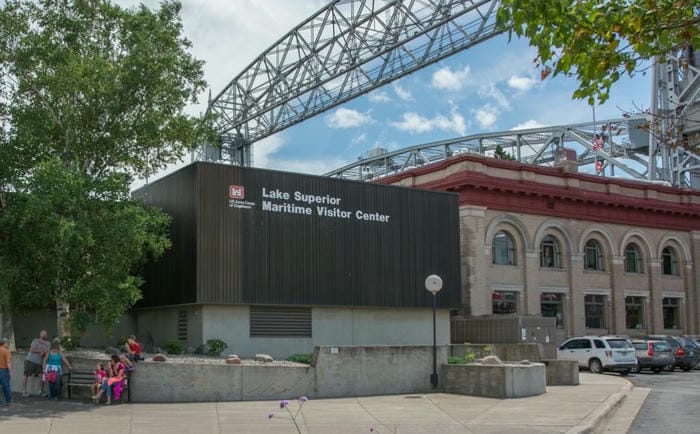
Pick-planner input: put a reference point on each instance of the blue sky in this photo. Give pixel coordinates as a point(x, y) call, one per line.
point(491, 87)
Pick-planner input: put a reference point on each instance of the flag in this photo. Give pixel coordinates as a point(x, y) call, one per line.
point(598, 166)
point(597, 144)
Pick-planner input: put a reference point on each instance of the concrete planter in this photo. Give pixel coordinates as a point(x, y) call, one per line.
point(561, 372)
point(508, 380)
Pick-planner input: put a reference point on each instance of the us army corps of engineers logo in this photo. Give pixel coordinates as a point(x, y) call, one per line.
point(236, 197)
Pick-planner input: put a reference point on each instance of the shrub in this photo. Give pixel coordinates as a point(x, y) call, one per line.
point(121, 342)
point(300, 358)
point(216, 346)
point(69, 343)
point(174, 347)
point(455, 360)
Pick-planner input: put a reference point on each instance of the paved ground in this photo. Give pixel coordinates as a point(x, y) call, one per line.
point(673, 406)
point(561, 409)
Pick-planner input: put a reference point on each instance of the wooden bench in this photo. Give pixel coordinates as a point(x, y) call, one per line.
point(82, 378)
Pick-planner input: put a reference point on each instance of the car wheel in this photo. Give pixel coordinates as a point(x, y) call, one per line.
point(636, 369)
point(595, 366)
point(656, 370)
point(625, 373)
point(686, 368)
point(670, 368)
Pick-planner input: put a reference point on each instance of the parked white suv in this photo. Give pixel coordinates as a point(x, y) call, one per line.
point(600, 353)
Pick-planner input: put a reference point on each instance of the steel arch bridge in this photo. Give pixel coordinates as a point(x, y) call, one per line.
point(351, 47)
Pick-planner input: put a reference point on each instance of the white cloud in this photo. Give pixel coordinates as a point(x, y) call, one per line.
point(264, 152)
point(402, 93)
point(447, 79)
point(531, 123)
point(487, 116)
point(359, 139)
point(264, 149)
point(491, 91)
point(348, 118)
point(414, 123)
point(379, 96)
point(521, 83)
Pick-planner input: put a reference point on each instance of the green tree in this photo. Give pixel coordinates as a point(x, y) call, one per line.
point(600, 41)
point(77, 240)
point(91, 96)
point(502, 155)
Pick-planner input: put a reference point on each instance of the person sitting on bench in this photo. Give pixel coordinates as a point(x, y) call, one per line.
point(115, 383)
point(133, 349)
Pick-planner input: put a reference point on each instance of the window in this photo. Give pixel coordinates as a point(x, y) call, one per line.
point(550, 253)
point(672, 313)
point(598, 343)
point(670, 263)
point(634, 312)
point(504, 302)
point(503, 249)
point(594, 306)
point(551, 306)
point(584, 344)
point(593, 259)
point(633, 259)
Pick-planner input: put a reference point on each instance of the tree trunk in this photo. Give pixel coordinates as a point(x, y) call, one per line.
point(62, 315)
point(6, 328)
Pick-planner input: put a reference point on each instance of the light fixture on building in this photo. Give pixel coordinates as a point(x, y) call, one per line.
point(433, 284)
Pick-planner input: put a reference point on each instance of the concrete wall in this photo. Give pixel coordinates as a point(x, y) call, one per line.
point(494, 381)
point(330, 326)
point(358, 371)
point(160, 325)
point(337, 372)
point(27, 326)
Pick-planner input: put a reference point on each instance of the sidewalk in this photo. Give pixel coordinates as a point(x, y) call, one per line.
point(562, 409)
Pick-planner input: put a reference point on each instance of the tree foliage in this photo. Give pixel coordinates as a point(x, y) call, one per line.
point(91, 96)
point(600, 41)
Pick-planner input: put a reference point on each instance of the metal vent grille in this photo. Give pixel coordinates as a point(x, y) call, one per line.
point(280, 321)
point(182, 325)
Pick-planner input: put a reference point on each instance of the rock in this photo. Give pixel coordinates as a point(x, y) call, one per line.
point(232, 356)
point(159, 358)
point(264, 358)
point(525, 362)
point(491, 360)
point(202, 350)
point(233, 361)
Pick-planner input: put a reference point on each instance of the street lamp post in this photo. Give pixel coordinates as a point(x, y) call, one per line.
point(433, 284)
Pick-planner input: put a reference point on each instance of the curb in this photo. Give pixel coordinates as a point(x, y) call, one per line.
point(597, 416)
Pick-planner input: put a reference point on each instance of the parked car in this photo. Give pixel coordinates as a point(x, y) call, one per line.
point(685, 352)
point(653, 355)
point(600, 353)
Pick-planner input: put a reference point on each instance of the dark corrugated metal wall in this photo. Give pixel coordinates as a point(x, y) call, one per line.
point(262, 257)
point(171, 280)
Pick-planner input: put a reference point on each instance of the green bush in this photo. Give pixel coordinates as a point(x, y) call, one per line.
point(455, 360)
point(300, 358)
point(121, 342)
point(216, 347)
point(174, 347)
point(69, 343)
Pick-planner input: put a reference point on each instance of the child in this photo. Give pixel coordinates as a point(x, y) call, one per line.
point(128, 365)
point(100, 375)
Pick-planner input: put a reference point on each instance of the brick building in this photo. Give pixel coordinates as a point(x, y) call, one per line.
point(601, 255)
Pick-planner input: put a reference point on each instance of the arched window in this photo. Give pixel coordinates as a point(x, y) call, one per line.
point(503, 249)
point(550, 253)
point(670, 262)
point(593, 259)
point(633, 259)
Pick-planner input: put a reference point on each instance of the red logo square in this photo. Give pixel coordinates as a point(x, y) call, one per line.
point(236, 192)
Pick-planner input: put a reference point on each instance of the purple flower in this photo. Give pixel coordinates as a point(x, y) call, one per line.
point(270, 415)
point(284, 403)
point(303, 399)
